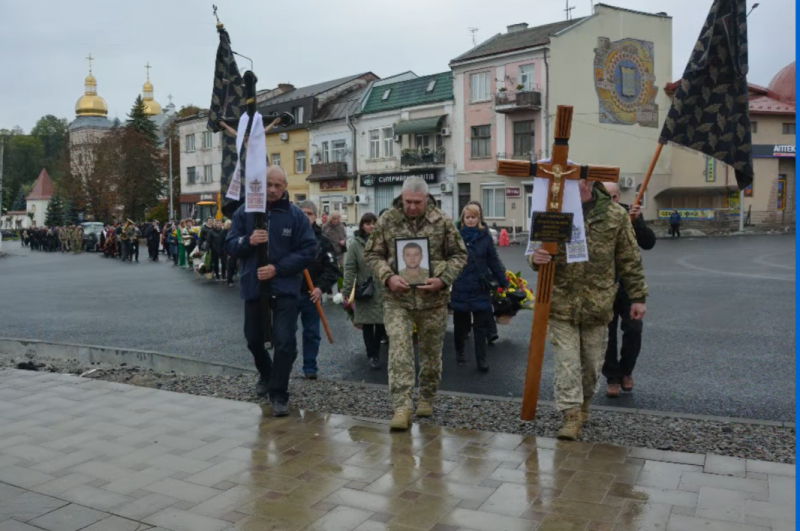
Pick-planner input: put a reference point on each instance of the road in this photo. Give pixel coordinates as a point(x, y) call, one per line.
point(718, 336)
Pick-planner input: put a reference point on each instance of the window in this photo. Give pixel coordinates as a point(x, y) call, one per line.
point(423, 141)
point(388, 142)
point(386, 95)
point(190, 143)
point(430, 86)
point(479, 87)
point(207, 174)
point(754, 127)
point(191, 175)
point(493, 199)
point(338, 151)
point(375, 143)
point(300, 161)
point(325, 154)
point(481, 141)
point(276, 159)
point(297, 112)
point(207, 139)
point(464, 195)
point(788, 129)
point(526, 77)
point(523, 138)
point(299, 197)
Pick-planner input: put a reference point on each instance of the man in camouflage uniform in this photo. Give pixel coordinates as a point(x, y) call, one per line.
point(414, 215)
point(77, 239)
point(583, 302)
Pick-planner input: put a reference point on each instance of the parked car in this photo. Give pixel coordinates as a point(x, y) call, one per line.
point(91, 235)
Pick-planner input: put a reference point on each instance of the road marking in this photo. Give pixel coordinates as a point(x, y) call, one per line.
point(685, 263)
point(763, 260)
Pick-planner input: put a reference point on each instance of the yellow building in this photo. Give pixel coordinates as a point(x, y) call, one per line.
point(289, 150)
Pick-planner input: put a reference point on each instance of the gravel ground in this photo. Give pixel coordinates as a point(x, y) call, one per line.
point(766, 443)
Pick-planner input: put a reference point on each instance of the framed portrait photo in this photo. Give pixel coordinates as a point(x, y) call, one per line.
point(413, 260)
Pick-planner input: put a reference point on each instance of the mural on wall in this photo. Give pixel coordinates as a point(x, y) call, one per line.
point(625, 80)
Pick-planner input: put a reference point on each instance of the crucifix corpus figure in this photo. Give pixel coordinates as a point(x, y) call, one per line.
point(581, 244)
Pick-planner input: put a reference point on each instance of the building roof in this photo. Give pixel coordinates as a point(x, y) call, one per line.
point(42, 188)
point(311, 90)
point(341, 107)
point(97, 122)
point(762, 100)
point(516, 40)
point(410, 93)
point(782, 85)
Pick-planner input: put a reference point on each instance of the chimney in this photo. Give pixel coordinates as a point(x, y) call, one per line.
point(517, 27)
point(285, 87)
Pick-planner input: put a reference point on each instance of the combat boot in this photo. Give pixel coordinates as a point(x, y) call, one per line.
point(424, 408)
point(401, 419)
point(585, 410)
point(571, 430)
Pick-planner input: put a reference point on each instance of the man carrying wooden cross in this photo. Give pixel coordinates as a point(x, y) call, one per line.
point(583, 300)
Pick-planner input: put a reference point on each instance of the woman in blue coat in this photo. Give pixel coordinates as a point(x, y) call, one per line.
point(471, 299)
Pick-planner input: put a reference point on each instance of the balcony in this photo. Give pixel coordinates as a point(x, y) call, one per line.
point(530, 156)
point(422, 157)
point(506, 101)
point(327, 170)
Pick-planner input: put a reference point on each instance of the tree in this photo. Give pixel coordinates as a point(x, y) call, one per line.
point(141, 123)
point(139, 175)
point(100, 180)
point(72, 184)
point(53, 133)
point(19, 203)
point(23, 163)
point(69, 214)
point(54, 216)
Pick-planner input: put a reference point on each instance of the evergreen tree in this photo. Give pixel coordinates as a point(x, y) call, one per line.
point(69, 214)
point(55, 212)
point(19, 203)
point(141, 123)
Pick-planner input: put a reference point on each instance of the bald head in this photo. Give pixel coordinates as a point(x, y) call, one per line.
point(278, 172)
point(613, 191)
point(276, 183)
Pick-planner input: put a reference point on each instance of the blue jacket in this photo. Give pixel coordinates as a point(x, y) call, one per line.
point(469, 293)
point(674, 219)
point(292, 248)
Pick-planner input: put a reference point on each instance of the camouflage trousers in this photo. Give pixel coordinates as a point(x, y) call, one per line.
point(579, 351)
point(431, 325)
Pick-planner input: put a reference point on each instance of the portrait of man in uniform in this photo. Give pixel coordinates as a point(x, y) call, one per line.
point(413, 260)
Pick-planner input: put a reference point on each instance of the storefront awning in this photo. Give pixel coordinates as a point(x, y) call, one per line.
point(719, 190)
point(421, 125)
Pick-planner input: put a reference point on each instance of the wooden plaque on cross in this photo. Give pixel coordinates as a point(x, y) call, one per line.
point(556, 172)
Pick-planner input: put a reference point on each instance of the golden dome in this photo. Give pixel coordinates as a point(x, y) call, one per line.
point(151, 106)
point(90, 104)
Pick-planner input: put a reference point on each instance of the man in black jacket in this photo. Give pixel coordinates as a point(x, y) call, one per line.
point(324, 273)
point(619, 370)
point(153, 236)
point(215, 239)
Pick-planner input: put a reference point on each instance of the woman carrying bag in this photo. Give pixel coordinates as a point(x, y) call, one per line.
point(368, 295)
point(471, 298)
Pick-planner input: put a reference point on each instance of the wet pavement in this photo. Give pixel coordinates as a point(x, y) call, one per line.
point(718, 336)
point(81, 454)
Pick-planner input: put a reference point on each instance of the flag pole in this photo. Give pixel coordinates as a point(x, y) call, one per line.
point(648, 175)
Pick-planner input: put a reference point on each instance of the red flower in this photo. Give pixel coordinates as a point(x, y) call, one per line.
point(499, 290)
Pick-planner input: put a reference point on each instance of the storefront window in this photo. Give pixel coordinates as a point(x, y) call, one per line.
point(493, 200)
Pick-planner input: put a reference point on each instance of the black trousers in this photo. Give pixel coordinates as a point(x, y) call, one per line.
point(216, 259)
point(479, 322)
point(231, 267)
point(676, 230)
point(284, 338)
point(617, 366)
point(152, 248)
point(373, 333)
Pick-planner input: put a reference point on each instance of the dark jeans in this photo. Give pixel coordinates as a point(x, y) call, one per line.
point(479, 322)
point(216, 258)
point(311, 337)
point(173, 250)
point(373, 333)
point(231, 266)
point(152, 249)
point(676, 230)
point(284, 331)
point(127, 250)
point(615, 368)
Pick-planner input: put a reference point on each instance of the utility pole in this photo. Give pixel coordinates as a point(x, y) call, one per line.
point(171, 211)
point(2, 149)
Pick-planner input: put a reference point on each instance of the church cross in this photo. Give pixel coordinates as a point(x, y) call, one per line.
point(557, 171)
point(90, 58)
point(147, 68)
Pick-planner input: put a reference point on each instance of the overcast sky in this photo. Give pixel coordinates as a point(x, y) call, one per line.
point(43, 43)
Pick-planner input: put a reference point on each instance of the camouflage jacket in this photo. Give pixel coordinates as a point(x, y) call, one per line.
point(448, 255)
point(583, 292)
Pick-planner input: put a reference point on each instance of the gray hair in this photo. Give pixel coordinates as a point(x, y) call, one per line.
point(276, 168)
point(308, 204)
point(415, 185)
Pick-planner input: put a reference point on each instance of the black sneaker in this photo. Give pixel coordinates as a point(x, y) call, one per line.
point(493, 339)
point(310, 376)
point(280, 409)
point(262, 387)
point(374, 364)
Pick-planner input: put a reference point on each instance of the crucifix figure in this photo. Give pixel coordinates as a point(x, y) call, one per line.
point(557, 172)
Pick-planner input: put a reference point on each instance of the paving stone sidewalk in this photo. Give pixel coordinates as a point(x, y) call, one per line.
point(81, 454)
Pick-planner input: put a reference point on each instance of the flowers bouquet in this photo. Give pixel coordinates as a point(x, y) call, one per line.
point(507, 302)
point(347, 305)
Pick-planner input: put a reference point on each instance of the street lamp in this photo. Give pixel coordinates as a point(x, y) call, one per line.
point(752, 8)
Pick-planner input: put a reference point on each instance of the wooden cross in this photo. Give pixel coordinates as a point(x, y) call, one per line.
point(556, 172)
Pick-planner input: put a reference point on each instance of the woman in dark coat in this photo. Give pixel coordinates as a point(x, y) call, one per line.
point(471, 299)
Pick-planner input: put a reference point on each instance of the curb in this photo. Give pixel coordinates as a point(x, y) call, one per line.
point(166, 363)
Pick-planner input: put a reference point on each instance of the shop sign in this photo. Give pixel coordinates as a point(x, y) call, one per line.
point(395, 178)
point(513, 191)
point(688, 213)
point(339, 184)
point(206, 197)
point(772, 150)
